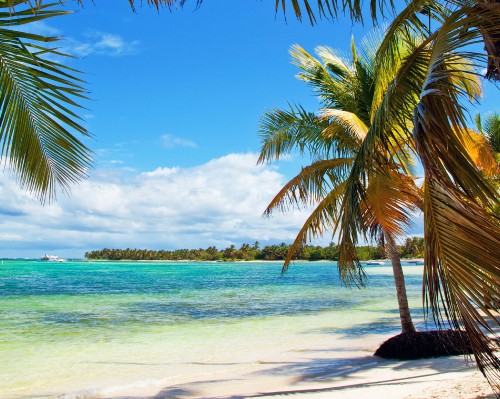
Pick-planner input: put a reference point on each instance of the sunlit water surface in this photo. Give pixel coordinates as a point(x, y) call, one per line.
point(79, 327)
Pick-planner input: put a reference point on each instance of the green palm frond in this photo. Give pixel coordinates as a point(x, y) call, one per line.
point(311, 185)
point(490, 128)
point(282, 131)
point(333, 60)
point(329, 79)
point(323, 218)
point(38, 103)
point(492, 131)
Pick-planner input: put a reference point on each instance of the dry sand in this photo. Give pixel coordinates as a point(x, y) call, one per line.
point(347, 372)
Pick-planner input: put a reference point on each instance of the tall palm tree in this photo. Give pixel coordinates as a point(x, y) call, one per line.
point(462, 236)
point(38, 95)
point(357, 169)
point(347, 89)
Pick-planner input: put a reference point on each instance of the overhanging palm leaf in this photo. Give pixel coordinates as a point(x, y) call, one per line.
point(462, 283)
point(38, 103)
point(353, 8)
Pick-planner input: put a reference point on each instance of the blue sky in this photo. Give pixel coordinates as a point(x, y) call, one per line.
point(176, 100)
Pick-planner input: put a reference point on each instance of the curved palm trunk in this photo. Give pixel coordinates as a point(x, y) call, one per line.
point(399, 280)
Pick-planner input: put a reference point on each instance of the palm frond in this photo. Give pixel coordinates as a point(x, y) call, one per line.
point(38, 103)
point(391, 198)
point(480, 151)
point(330, 80)
point(311, 185)
point(462, 239)
point(461, 274)
point(282, 131)
point(325, 217)
point(349, 121)
point(440, 110)
point(491, 130)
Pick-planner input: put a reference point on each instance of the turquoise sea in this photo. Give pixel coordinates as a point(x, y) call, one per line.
point(77, 329)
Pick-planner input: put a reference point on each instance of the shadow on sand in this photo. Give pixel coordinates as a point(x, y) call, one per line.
point(318, 375)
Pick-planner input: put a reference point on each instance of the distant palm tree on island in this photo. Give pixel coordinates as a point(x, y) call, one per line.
point(412, 248)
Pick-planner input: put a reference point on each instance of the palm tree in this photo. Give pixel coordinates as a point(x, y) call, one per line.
point(357, 169)
point(38, 107)
point(462, 238)
point(462, 235)
point(347, 90)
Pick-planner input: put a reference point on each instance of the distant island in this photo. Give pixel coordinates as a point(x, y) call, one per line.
point(412, 248)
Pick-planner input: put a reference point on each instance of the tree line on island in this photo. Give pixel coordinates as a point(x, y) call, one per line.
point(412, 248)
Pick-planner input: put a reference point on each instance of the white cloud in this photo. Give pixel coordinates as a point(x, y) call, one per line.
point(218, 203)
point(100, 43)
point(171, 141)
point(93, 42)
point(41, 28)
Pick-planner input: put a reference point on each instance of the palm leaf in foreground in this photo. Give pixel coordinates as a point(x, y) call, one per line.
point(38, 108)
point(462, 240)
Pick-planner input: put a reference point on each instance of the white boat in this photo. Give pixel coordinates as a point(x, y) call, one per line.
point(375, 262)
point(415, 262)
point(53, 258)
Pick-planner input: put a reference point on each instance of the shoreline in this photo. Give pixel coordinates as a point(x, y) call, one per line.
point(403, 260)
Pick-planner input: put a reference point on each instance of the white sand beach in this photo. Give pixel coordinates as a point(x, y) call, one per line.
point(332, 372)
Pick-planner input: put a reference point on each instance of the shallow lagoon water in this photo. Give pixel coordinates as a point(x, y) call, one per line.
point(82, 328)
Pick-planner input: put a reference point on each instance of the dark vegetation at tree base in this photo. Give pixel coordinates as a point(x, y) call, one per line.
point(412, 248)
point(425, 344)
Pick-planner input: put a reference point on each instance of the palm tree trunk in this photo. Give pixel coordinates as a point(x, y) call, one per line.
point(399, 280)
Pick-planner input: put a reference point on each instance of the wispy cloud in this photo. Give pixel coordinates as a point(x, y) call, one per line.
point(41, 28)
point(171, 141)
point(91, 42)
point(100, 43)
